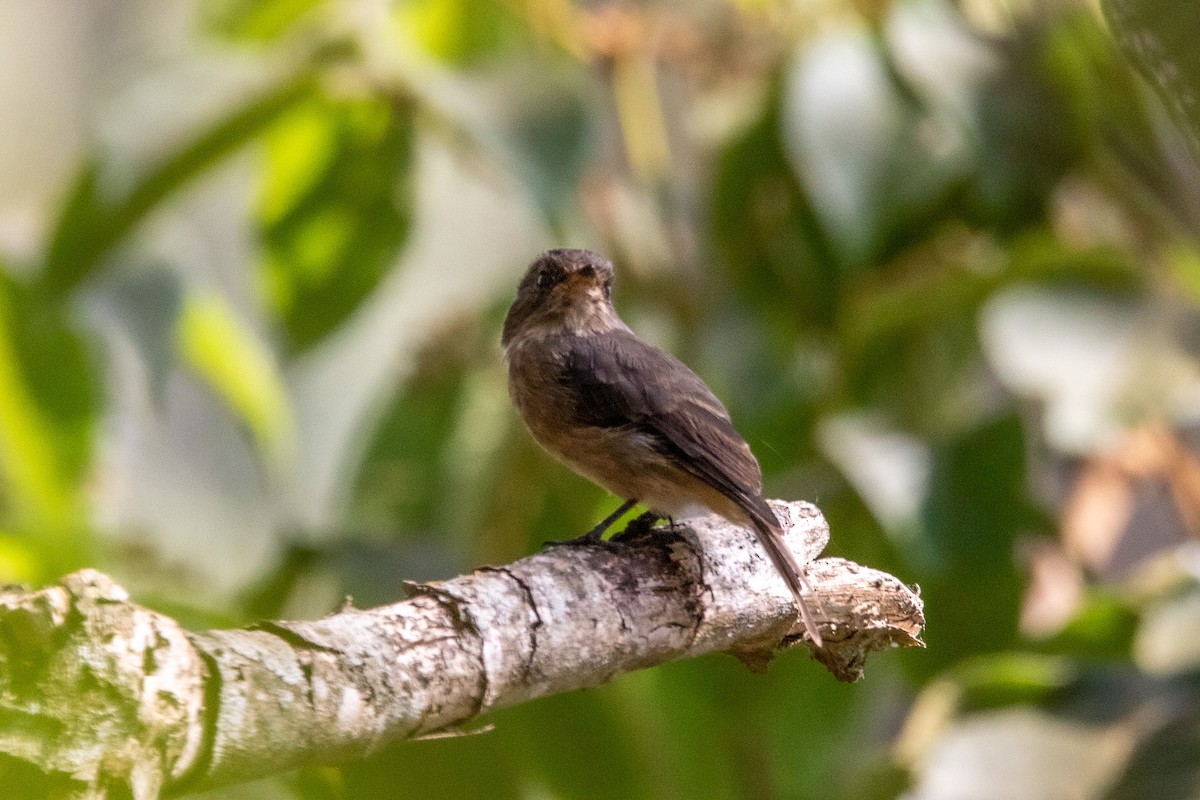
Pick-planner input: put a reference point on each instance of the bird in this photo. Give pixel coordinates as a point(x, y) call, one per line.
point(629, 416)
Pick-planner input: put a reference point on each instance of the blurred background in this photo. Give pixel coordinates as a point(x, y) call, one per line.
point(939, 258)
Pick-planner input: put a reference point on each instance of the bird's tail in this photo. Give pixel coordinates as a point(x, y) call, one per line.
point(770, 533)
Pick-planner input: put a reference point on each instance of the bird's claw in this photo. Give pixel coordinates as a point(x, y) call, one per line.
point(642, 523)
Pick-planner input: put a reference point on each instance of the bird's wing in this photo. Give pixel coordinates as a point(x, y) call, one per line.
point(619, 381)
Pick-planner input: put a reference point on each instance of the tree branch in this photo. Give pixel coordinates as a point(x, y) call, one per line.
point(97, 692)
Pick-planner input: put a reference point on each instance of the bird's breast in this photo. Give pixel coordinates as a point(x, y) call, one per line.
point(623, 459)
point(548, 406)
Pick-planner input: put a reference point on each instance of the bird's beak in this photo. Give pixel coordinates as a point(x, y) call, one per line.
point(585, 288)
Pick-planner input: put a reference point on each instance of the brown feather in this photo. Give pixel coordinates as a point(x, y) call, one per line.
point(628, 415)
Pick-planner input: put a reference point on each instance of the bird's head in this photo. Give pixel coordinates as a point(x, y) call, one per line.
point(563, 288)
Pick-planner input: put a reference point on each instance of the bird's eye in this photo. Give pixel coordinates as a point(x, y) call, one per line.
point(587, 271)
point(541, 281)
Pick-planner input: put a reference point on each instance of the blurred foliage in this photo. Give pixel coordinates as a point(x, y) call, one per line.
point(827, 211)
point(335, 208)
point(1154, 33)
point(234, 363)
point(254, 20)
point(96, 217)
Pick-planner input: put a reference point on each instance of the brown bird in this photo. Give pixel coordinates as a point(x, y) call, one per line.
point(627, 415)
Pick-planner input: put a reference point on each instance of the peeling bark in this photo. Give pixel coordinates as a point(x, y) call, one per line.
point(97, 692)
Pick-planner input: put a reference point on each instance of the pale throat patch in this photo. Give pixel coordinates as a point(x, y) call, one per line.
point(593, 315)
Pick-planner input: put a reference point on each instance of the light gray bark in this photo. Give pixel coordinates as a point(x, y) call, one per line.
point(97, 692)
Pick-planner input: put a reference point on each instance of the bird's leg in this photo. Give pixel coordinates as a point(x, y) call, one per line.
point(643, 522)
point(594, 535)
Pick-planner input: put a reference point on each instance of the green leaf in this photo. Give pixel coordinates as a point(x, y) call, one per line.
point(910, 341)
point(1183, 265)
point(19, 560)
point(96, 219)
point(48, 404)
point(458, 32)
point(234, 362)
point(1159, 37)
point(910, 346)
point(335, 208)
point(1104, 627)
point(976, 507)
point(401, 485)
point(1005, 679)
point(254, 20)
point(1166, 764)
point(767, 235)
point(48, 408)
point(1026, 137)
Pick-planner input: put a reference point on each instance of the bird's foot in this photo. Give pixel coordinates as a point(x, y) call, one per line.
point(596, 534)
point(592, 538)
point(643, 523)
